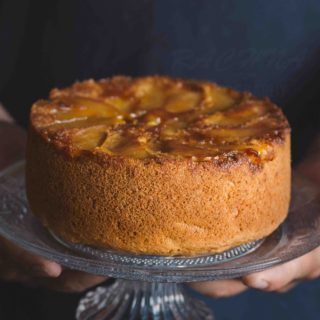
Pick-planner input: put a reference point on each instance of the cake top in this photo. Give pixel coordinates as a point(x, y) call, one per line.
point(159, 118)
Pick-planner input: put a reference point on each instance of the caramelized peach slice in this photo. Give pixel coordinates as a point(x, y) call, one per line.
point(216, 98)
point(236, 116)
point(182, 101)
point(229, 135)
point(89, 138)
point(173, 128)
point(134, 149)
point(112, 141)
point(177, 148)
point(261, 149)
point(149, 94)
point(257, 129)
point(122, 104)
point(84, 108)
point(84, 123)
point(152, 120)
point(137, 147)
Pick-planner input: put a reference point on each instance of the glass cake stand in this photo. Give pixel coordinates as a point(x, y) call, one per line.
point(148, 287)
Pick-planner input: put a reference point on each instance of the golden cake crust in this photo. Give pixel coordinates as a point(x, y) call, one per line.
point(163, 201)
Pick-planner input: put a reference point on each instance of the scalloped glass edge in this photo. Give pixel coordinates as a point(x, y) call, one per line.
point(291, 240)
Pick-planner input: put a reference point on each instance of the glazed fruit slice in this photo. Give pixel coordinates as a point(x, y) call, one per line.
point(158, 117)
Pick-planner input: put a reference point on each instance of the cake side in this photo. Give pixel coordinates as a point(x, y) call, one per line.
point(176, 206)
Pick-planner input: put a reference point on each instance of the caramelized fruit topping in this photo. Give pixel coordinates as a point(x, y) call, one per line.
point(159, 117)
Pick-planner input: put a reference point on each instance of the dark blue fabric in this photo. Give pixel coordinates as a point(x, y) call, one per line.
point(301, 303)
point(268, 47)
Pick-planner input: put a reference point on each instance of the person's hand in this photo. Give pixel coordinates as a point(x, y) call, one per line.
point(17, 265)
point(280, 278)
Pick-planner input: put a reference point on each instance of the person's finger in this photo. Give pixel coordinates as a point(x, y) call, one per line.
point(219, 288)
point(43, 268)
point(9, 275)
point(72, 281)
point(26, 262)
point(276, 278)
point(288, 287)
point(12, 274)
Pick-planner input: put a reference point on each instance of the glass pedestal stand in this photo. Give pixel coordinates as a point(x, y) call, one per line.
point(154, 294)
point(148, 287)
point(141, 300)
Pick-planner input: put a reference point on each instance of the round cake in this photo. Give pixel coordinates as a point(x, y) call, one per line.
point(157, 165)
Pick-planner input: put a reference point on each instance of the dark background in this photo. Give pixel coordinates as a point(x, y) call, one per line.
point(268, 47)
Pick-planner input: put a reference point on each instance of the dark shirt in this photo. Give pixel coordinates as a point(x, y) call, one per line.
point(268, 47)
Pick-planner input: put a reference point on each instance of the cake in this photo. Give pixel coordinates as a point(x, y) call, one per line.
point(158, 165)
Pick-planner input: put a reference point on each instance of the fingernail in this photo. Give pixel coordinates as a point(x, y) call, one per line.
point(38, 271)
point(260, 284)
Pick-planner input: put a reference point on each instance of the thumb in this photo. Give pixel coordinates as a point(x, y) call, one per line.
point(275, 279)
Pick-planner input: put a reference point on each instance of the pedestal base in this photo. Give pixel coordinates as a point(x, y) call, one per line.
point(141, 300)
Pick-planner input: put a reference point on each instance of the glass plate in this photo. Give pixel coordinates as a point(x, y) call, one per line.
point(299, 234)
